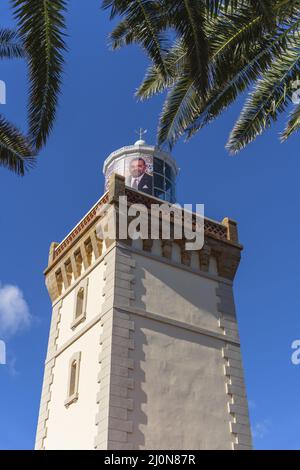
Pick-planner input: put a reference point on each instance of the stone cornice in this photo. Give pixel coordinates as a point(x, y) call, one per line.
point(82, 247)
point(58, 250)
point(225, 231)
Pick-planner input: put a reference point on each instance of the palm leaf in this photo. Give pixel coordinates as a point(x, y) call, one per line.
point(10, 44)
point(293, 123)
point(41, 25)
point(155, 82)
point(240, 63)
point(117, 7)
point(241, 71)
point(144, 23)
point(187, 18)
point(269, 99)
point(179, 108)
point(15, 151)
point(226, 47)
point(123, 35)
point(227, 59)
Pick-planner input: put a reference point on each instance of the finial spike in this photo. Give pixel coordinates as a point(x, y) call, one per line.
point(141, 132)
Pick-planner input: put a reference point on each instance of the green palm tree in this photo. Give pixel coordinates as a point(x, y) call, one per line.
point(41, 26)
point(15, 151)
point(40, 40)
point(204, 54)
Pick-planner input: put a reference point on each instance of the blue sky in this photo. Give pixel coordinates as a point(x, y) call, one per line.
point(259, 188)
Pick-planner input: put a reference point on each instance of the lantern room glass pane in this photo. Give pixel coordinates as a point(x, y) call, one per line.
point(158, 166)
point(169, 184)
point(169, 191)
point(160, 194)
point(168, 172)
point(159, 181)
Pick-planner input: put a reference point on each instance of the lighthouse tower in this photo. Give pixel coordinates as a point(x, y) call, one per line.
point(143, 351)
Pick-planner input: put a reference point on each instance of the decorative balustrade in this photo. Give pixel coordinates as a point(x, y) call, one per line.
point(220, 231)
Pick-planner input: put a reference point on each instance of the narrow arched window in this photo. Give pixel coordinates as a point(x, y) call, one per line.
point(73, 373)
point(80, 303)
point(73, 379)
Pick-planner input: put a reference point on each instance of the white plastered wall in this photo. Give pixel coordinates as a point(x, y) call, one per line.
point(93, 306)
point(73, 427)
point(179, 395)
point(175, 293)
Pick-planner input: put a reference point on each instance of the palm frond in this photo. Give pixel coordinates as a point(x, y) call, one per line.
point(122, 35)
point(262, 7)
point(224, 94)
point(215, 6)
point(293, 123)
point(187, 18)
point(16, 153)
point(155, 82)
point(41, 25)
point(227, 46)
point(233, 68)
point(179, 109)
point(144, 22)
point(236, 72)
point(269, 99)
point(10, 44)
point(265, 8)
point(117, 7)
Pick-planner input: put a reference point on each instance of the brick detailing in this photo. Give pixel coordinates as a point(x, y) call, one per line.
point(48, 378)
point(211, 228)
point(226, 308)
point(119, 279)
point(116, 341)
point(80, 228)
point(73, 265)
point(233, 370)
point(237, 400)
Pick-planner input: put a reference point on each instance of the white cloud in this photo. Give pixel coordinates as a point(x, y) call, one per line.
point(14, 311)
